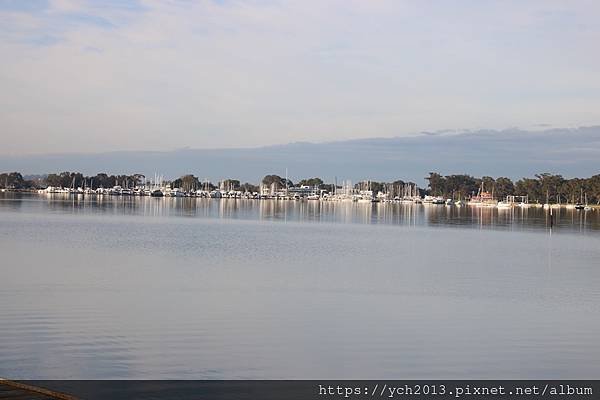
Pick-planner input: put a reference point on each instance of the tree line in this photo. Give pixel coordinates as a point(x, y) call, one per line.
point(542, 188)
point(14, 180)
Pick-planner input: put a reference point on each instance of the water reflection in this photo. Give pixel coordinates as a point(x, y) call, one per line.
point(312, 211)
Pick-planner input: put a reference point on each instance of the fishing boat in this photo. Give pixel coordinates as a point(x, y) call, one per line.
point(483, 199)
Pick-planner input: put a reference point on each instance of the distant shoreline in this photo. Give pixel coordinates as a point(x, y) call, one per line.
point(544, 188)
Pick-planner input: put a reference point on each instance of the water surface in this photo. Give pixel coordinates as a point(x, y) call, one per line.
point(189, 288)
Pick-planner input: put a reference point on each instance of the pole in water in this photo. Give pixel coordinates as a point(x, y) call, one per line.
point(551, 217)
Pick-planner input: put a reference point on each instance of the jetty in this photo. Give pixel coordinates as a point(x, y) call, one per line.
point(18, 390)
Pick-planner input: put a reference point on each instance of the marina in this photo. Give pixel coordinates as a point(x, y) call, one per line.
point(546, 190)
point(485, 199)
point(406, 193)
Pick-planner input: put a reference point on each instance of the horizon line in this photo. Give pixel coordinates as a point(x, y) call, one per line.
point(436, 133)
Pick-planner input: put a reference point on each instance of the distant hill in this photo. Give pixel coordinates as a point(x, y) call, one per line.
point(513, 153)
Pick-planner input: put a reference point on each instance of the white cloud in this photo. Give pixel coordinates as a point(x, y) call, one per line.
point(86, 76)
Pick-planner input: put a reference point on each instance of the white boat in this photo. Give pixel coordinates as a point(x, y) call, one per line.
point(428, 199)
point(365, 200)
point(582, 206)
point(438, 200)
point(176, 192)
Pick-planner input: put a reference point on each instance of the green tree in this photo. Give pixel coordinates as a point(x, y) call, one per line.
point(503, 187)
point(592, 189)
point(53, 180)
point(549, 186)
point(530, 188)
point(13, 180)
point(313, 182)
point(460, 186)
point(248, 187)
point(279, 182)
point(489, 183)
point(186, 182)
point(102, 180)
point(437, 184)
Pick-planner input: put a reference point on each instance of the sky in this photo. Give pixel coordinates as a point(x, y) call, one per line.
point(96, 76)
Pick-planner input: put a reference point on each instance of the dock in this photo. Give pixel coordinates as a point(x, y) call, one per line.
point(17, 390)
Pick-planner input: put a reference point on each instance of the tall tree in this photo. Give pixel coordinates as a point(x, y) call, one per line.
point(313, 182)
point(13, 180)
point(437, 184)
point(530, 188)
point(503, 187)
point(248, 187)
point(279, 182)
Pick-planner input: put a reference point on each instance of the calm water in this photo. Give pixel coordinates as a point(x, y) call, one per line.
point(190, 288)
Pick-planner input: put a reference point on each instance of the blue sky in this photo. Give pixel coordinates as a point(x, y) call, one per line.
point(117, 75)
